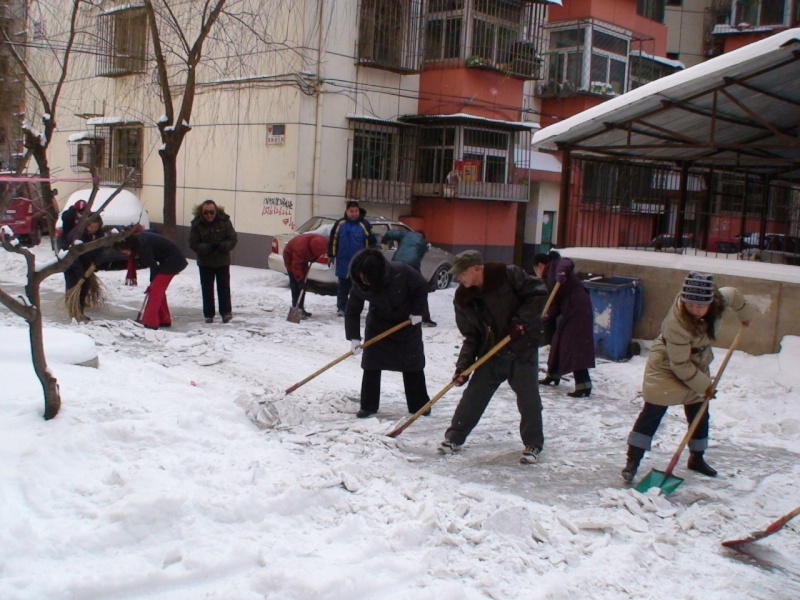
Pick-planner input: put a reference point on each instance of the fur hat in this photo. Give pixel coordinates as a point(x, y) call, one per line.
point(698, 288)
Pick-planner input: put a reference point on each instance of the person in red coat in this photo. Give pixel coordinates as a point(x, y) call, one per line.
point(298, 255)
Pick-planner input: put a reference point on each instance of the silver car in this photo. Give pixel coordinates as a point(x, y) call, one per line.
point(322, 275)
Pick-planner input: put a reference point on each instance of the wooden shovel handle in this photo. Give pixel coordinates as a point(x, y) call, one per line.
point(495, 349)
point(366, 344)
point(698, 417)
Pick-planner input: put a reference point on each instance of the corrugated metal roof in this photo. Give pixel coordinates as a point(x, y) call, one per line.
point(739, 110)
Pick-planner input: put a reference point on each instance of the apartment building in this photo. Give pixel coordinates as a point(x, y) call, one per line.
point(12, 90)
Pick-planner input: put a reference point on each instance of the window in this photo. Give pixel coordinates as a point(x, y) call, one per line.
point(587, 58)
point(651, 9)
point(388, 34)
point(490, 150)
point(759, 12)
point(122, 41)
point(436, 154)
point(120, 149)
point(645, 68)
point(443, 38)
point(383, 152)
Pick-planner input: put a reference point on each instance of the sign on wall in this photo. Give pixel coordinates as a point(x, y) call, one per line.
point(276, 134)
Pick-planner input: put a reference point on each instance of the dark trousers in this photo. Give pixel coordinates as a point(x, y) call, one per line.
point(650, 418)
point(296, 286)
point(522, 377)
point(582, 380)
point(413, 382)
point(222, 275)
point(342, 292)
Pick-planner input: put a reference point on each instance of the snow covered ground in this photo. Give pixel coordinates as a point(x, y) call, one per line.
point(179, 469)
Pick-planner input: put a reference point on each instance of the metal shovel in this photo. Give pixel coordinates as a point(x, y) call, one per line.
point(665, 479)
point(296, 313)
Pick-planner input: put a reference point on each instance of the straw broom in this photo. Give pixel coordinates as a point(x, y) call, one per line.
point(95, 296)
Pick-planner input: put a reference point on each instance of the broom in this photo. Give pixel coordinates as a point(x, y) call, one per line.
point(95, 294)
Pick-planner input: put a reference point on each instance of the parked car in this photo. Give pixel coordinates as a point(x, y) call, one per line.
point(322, 276)
point(666, 241)
point(25, 214)
point(125, 210)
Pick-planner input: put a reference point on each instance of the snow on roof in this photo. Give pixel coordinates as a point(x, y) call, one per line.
point(109, 121)
point(468, 117)
point(671, 82)
point(665, 61)
point(81, 135)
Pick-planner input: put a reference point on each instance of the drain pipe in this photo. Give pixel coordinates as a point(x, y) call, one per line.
point(315, 207)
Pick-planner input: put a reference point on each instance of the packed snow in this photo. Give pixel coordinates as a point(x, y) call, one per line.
point(180, 469)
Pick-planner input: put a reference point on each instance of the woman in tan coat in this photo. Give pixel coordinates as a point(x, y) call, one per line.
point(677, 370)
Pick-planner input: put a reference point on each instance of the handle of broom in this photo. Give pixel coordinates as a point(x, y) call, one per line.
point(698, 417)
point(366, 344)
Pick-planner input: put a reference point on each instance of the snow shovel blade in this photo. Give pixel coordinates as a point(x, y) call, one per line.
point(660, 479)
point(295, 314)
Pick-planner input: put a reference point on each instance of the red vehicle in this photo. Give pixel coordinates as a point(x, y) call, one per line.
point(24, 213)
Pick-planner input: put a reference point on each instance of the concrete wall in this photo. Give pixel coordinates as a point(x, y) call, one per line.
point(775, 303)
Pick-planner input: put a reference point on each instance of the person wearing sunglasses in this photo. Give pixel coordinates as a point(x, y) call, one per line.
point(212, 238)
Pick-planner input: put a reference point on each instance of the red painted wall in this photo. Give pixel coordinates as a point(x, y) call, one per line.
point(478, 92)
point(458, 225)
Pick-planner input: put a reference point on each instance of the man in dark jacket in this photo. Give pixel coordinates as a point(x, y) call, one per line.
point(349, 234)
point(69, 219)
point(165, 260)
point(395, 292)
point(411, 248)
point(298, 254)
point(212, 237)
point(494, 300)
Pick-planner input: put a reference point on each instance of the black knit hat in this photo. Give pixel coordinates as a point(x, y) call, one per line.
point(698, 288)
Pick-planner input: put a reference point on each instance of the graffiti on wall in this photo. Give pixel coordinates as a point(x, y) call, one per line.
point(281, 207)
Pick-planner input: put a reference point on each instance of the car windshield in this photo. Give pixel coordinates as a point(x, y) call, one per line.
point(317, 225)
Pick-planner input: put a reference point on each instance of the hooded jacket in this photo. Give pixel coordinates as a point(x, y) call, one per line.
point(484, 315)
point(301, 251)
point(404, 293)
point(411, 246)
point(348, 236)
point(212, 241)
point(677, 370)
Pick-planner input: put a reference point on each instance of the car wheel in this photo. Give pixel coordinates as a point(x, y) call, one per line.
point(441, 278)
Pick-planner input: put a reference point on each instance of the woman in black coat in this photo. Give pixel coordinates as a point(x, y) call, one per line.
point(572, 346)
point(165, 260)
point(395, 292)
point(212, 237)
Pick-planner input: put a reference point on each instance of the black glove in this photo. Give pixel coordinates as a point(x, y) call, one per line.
point(517, 330)
point(214, 247)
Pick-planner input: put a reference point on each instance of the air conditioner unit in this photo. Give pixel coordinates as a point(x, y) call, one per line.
point(85, 154)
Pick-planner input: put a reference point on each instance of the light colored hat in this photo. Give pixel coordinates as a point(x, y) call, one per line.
point(698, 288)
point(465, 260)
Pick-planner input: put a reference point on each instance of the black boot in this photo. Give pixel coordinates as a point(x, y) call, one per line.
point(634, 458)
point(696, 463)
point(550, 380)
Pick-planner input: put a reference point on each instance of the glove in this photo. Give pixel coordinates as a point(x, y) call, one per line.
point(561, 277)
point(355, 347)
point(415, 319)
point(710, 393)
point(460, 379)
point(214, 247)
point(517, 330)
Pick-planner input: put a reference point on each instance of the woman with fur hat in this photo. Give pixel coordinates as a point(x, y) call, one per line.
point(677, 371)
point(212, 237)
point(395, 292)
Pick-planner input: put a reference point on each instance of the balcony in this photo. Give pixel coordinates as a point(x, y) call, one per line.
point(379, 190)
point(474, 190)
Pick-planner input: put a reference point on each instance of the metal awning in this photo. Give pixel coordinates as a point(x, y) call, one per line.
point(738, 111)
point(467, 119)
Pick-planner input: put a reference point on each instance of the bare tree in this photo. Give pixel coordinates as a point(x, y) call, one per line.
point(180, 35)
point(28, 306)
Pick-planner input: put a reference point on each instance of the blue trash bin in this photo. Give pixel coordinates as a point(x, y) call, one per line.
point(614, 306)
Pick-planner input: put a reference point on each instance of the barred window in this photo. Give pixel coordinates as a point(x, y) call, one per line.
point(388, 34)
point(122, 41)
point(119, 149)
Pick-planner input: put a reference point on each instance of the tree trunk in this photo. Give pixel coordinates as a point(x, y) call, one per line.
point(170, 163)
point(52, 397)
